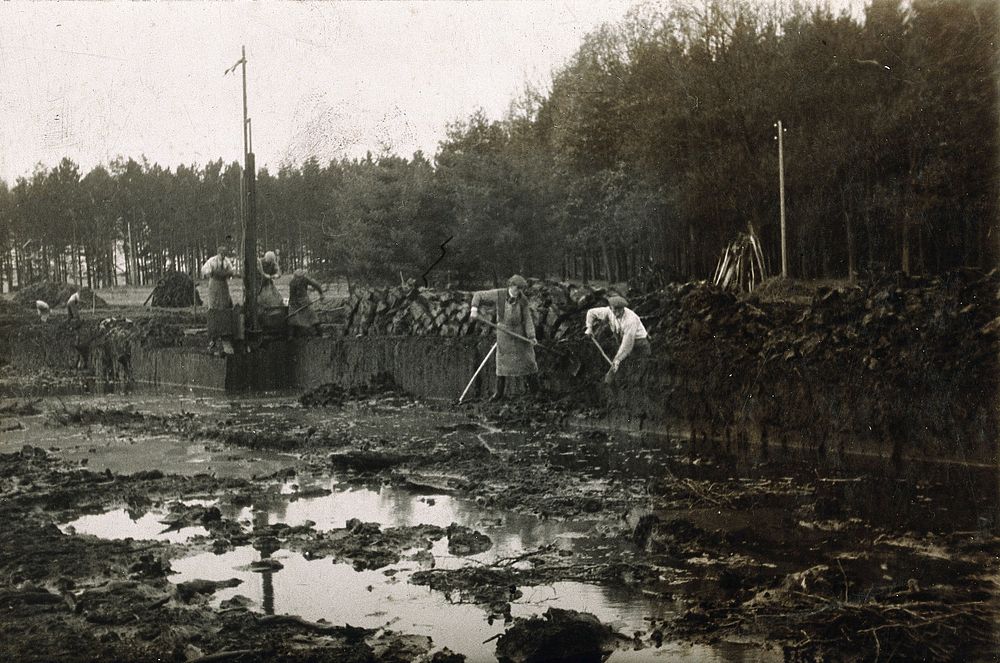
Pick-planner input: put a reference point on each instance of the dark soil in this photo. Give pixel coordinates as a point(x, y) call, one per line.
point(746, 550)
point(830, 557)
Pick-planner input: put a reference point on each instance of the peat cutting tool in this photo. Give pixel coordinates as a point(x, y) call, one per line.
point(610, 375)
point(476, 374)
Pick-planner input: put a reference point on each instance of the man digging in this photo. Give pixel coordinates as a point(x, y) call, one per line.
point(627, 328)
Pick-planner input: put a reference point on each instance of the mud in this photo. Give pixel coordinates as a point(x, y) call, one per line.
point(781, 480)
point(734, 546)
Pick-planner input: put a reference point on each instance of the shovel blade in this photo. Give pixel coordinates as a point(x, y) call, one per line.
point(609, 377)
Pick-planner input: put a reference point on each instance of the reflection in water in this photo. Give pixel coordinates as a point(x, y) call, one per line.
point(267, 573)
point(321, 589)
point(126, 524)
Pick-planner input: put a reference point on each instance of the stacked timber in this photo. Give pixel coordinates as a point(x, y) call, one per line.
point(558, 309)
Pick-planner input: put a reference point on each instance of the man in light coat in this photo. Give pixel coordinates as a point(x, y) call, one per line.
point(515, 356)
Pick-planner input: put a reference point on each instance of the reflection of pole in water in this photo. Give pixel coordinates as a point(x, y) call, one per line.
point(263, 544)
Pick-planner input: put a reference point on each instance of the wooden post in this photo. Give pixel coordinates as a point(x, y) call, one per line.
point(250, 247)
point(781, 188)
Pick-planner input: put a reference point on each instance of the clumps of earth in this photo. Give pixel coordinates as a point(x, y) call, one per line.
point(558, 636)
point(334, 395)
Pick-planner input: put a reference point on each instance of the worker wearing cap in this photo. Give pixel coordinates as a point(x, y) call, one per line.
point(515, 356)
point(43, 310)
point(626, 326)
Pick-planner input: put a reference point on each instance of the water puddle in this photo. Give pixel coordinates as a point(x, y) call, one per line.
point(121, 524)
point(384, 598)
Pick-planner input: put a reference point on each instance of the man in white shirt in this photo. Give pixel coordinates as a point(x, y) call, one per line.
point(625, 325)
point(73, 305)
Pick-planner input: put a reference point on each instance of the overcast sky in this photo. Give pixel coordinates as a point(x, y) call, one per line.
point(92, 81)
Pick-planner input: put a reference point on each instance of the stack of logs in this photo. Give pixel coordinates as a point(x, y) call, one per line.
point(558, 309)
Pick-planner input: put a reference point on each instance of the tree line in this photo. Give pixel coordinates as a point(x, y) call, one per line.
point(653, 148)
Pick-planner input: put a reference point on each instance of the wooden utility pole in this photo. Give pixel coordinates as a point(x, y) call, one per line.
point(781, 191)
point(248, 206)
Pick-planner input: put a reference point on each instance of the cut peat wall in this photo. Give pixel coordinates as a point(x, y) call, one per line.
point(818, 411)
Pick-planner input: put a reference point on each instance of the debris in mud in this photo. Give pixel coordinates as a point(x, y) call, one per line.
point(491, 587)
point(80, 415)
point(333, 395)
point(463, 541)
point(19, 408)
point(558, 636)
point(366, 460)
point(175, 290)
point(823, 619)
point(182, 515)
point(186, 591)
point(364, 545)
point(656, 536)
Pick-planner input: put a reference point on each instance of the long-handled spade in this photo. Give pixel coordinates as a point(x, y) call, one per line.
point(476, 374)
point(577, 364)
point(610, 375)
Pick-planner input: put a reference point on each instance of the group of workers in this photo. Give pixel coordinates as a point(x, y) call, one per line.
point(301, 318)
point(516, 332)
point(515, 326)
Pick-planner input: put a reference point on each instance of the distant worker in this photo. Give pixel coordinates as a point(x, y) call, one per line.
point(302, 319)
point(515, 356)
point(43, 310)
point(75, 322)
point(73, 307)
point(268, 295)
point(625, 325)
point(218, 270)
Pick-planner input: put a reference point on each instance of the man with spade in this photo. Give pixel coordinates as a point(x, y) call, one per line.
point(625, 325)
point(302, 319)
point(515, 333)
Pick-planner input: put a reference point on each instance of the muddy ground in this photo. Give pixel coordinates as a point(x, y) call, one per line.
point(784, 560)
point(532, 529)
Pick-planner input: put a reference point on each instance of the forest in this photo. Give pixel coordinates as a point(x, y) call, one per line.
point(653, 148)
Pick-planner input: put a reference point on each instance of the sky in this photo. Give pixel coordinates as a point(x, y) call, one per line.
point(94, 81)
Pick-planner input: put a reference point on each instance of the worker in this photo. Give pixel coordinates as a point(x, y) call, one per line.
point(515, 356)
point(75, 322)
point(73, 307)
point(268, 295)
point(625, 325)
point(43, 310)
point(219, 269)
point(302, 319)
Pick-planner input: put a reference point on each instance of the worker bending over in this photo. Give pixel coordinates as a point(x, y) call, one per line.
point(625, 325)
